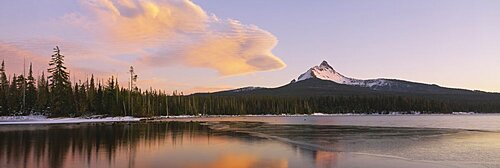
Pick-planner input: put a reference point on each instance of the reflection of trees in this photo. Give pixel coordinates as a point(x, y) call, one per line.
point(57, 144)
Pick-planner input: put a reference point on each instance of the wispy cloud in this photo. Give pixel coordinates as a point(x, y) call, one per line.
point(14, 57)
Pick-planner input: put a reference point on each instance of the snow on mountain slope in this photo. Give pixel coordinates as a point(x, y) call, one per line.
point(325, 72)
point(250, 88)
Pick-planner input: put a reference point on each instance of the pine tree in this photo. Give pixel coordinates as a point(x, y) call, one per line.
point(91, 96)
point(43, 95)
point(99, 100)
point(30, 91)
point(14, 97)
point(77, 99)
point(20, 85)
point(60, 86)
point(83, 99)
point(4, 91)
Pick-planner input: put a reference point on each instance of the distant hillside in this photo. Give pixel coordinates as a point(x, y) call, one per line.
point(324, 81)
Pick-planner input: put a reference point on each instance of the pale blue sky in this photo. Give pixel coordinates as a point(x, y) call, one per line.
point(454, 43)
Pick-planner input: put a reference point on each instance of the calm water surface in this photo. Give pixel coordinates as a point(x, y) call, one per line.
point(488, 122)
point(346, 141)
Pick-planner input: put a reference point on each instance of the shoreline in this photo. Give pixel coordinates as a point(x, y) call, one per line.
point(29, 120)
point(40, 119)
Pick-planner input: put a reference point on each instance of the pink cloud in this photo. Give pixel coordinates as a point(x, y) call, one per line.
point(14, 58)
point(181, 32)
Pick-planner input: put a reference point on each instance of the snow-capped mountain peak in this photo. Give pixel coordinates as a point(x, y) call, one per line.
point(325, 64)
point(325, 72)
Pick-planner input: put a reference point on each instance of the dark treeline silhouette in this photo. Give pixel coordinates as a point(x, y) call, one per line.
point(54, 95)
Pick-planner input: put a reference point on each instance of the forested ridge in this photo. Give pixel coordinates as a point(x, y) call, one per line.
point(53, 94)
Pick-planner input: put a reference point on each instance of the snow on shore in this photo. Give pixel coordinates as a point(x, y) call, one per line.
point(16, 120)
point(40, 119)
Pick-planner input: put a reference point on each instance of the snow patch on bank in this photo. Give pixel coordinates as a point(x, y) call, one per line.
point(17, 120)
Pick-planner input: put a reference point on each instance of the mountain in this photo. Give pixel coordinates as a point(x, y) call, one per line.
point(325, 72)
point(245, 89)
point(323, 80)
point(322, 89)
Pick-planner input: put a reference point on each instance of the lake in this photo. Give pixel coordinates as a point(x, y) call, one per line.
point(259, 141)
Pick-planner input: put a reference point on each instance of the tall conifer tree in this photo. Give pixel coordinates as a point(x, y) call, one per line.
point(4, 91)
point(30, 91)
point(60, 85)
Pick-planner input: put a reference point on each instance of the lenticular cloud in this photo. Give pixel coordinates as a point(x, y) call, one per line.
point(168, 32)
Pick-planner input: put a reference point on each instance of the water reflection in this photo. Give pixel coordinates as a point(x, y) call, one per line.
point(337, 146)
point(242, 144)
point(167, 144)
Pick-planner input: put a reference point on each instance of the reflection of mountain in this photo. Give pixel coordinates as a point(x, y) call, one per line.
point(241, 160)
point(325, 159)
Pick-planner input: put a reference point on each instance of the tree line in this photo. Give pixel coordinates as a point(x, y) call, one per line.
point(56, 96)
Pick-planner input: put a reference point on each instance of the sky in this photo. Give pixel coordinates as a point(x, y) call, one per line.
point(211, 45)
